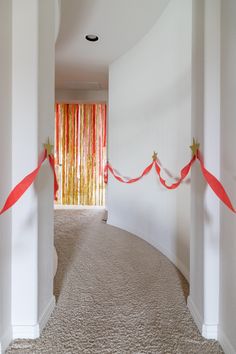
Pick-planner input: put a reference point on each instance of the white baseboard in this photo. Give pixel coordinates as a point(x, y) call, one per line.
point(47, 313)
point(208, 331)
point(34, 331)
point(172, 257)
point(5, 340)
point(225, 343)
point(25, 331)
point(195, 314)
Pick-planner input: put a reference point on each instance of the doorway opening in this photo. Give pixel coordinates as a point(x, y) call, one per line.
point(80, 153)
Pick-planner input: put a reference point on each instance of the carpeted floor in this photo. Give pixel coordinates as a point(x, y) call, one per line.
point(115, 294)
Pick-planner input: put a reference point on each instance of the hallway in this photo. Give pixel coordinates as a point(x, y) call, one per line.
point(115, 294)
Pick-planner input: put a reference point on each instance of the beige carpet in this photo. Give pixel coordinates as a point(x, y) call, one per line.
point(115, 294)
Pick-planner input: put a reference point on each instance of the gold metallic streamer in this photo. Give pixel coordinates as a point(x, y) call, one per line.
point(81, 154)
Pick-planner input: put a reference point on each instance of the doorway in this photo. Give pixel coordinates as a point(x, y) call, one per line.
point(80, 153)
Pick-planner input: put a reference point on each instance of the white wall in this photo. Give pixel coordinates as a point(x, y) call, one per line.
point(227, 328)
point(24, 150)
point(197, 183)
point(149, 109)
point(46, 87)
point(5, 179)
point(32, 123)
point(27, 41)
point(80, 96)
point(212, 298)
point(205, 215)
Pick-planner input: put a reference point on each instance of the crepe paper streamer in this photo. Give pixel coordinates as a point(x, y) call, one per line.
point(22, 186)
point(49, 148)
point(215, 185)
point(124, 179)
point(52, 164)
point(26, 182)
point(183, 174)
point(211, 180)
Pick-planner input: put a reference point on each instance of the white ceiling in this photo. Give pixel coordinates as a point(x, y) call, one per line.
point(118, 23)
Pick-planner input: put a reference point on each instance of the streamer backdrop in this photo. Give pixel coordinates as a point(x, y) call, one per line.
point(80, 153)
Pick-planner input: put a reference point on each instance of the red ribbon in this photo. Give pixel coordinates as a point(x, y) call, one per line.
point(26, 182)
point(123, 179)
point(52, 164)
point(211, 180)
point(215, 185)
point(183, 174)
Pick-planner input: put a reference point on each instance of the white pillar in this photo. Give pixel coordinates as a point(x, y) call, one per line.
point(212, 161)
point(204, 250)
point(44, 185)
point(33, 33)
point(5, 177)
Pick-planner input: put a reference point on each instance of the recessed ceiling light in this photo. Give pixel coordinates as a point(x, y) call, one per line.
point(91, 37)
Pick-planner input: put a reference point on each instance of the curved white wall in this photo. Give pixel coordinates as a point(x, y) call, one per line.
point(227, 327)
point(149, 109)
point(5, 179)
point(57, 7)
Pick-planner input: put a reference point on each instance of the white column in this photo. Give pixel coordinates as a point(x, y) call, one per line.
point(32, 122)
point(24, 159)
point(227, 322)
point(5, 177)
point(44, 185)
point(204, 250)
point(212, 162)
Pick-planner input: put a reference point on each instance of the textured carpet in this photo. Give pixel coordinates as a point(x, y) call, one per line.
point(115, 294)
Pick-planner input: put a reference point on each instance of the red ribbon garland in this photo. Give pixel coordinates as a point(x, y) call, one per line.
point(26, 182)
point(211, 180)
point(122, 179)
point(183, 174)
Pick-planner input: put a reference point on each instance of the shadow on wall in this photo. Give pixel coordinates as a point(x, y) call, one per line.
point(183, 235)
point(65, 252)
point(184, 285)
point(197, 203)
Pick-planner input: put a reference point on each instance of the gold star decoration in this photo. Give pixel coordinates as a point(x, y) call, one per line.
point(194, 147)
point(48, 147)
point(154, 156)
